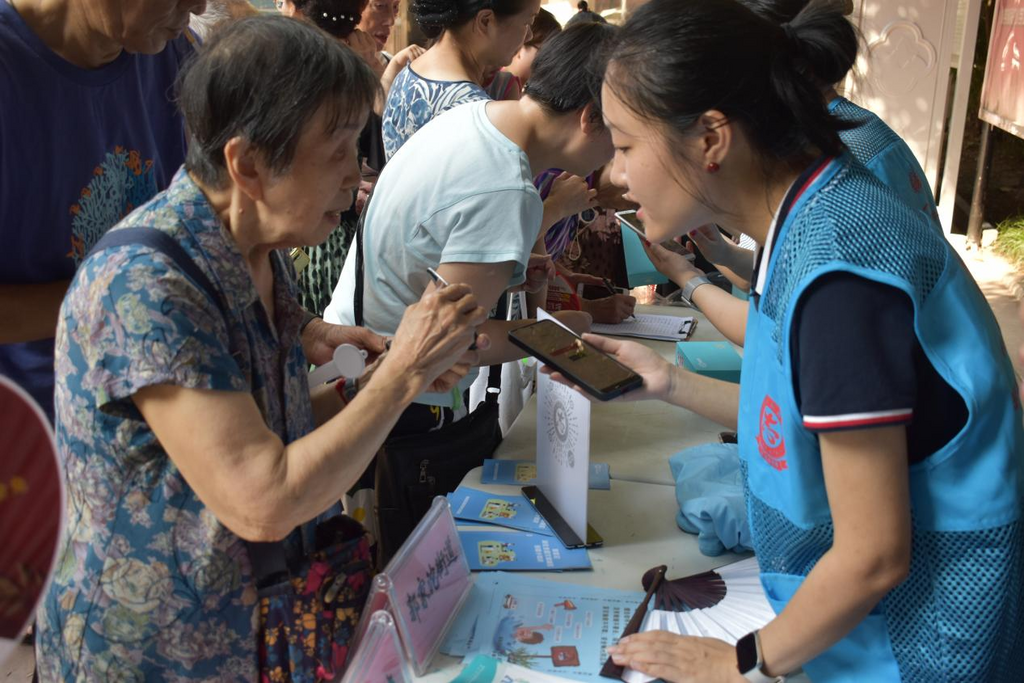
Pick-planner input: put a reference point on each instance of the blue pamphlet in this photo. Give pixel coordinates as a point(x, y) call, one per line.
point(488, 549)
point(547, 626)
point(514, 512)
point(524, 473)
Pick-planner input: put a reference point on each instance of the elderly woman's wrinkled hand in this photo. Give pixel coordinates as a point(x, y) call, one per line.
point(432, 340)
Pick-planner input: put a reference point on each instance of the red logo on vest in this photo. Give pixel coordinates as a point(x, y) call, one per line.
point(770, 442)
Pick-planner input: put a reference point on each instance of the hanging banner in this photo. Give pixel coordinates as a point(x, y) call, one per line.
point(1002, 94)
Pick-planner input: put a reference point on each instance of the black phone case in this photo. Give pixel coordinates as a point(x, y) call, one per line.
point(593, 391)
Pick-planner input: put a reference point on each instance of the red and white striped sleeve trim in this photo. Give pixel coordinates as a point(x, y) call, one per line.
point(857, 420)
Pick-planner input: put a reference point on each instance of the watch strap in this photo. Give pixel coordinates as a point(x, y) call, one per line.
point(753, 671)
point(690, 287)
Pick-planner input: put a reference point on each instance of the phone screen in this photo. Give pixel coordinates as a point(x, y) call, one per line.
point(595, 371)
point(633, 221)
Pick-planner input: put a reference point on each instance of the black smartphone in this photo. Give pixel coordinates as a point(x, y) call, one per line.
point(595, 372)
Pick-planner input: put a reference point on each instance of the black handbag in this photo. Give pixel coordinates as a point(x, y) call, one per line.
point(412, 469)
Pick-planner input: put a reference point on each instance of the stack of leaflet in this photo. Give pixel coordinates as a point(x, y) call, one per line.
point(726, 603)
point(507, 533)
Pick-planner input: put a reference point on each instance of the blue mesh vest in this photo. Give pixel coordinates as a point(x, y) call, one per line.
point(886, 155)
point(959, 616)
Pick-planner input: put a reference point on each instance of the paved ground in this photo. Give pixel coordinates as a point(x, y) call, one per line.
point(1002, 284)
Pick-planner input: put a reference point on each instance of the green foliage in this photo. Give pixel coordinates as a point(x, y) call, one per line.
point(1010, 242)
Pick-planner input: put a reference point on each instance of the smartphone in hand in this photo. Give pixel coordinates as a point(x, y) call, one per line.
point(594, 371)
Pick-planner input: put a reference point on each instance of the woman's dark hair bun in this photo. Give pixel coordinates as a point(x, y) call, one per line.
point(823, 49)
point(723, 56)
point(437, 16)
point(434, 16)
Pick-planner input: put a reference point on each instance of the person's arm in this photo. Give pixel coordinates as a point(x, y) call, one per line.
point(866, 478)
point(735, 279)
point(259, 487)
point(538, 272)
point(727, 313)
point(488, 281)
point(401, 59)
point(29, 312)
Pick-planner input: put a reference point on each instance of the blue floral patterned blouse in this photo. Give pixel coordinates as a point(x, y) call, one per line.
point(413, 101)
point(150, 585)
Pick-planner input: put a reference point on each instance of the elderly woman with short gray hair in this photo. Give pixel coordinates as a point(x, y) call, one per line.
point(204, 538)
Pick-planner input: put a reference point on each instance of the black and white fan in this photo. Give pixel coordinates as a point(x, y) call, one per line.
point(726, 603)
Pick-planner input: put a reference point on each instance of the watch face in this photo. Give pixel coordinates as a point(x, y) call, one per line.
point(746, 653)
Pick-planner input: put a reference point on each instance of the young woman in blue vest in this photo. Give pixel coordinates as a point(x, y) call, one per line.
point(878, 418)
point(868, 139)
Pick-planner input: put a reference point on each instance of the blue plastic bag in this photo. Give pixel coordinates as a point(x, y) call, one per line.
point(709, 490)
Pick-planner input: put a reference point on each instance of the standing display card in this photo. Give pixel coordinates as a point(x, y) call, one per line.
point(490, 549)
point(379, 657)
point(563, 451)
point(514, 512)
point(545, 626)
point(524, 472)
point(423, 586)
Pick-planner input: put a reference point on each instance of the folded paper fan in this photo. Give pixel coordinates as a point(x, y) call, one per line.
point(726, 603)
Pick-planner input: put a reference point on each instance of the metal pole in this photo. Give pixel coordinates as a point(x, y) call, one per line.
point(978, 198)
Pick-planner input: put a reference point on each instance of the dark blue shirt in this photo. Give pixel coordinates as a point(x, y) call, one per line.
point(79, 150)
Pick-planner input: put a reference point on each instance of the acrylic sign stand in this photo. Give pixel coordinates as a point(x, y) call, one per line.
point(423, 587)
point(379, 657)
point(563, 460)
point(31, 511)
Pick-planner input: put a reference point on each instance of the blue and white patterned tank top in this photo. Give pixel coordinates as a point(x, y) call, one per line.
point(413, 101)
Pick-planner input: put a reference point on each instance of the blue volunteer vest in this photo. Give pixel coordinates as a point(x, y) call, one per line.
point(959, 616)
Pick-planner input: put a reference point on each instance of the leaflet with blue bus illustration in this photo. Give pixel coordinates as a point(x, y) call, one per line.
point(488, 549)
point(524, 473)
point(514, 512)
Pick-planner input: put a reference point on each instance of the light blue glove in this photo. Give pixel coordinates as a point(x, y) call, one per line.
point(709, 490)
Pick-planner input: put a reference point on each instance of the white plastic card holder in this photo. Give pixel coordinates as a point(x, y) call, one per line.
point(379, 657)
point(424, 586)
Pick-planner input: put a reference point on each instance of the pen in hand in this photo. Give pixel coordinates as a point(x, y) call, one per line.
point(436, 277)
point(611, 290)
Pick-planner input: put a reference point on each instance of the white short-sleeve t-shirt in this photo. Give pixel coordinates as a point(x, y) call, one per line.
point(458, 191)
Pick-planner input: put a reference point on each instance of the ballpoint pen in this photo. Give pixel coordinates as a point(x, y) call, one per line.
point(611, 290)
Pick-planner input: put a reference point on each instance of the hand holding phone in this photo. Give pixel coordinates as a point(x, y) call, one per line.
point(582, 363)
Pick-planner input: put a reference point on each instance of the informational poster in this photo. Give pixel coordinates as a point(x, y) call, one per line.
point(547, 626)
point(1002, 94)
point(563, 448)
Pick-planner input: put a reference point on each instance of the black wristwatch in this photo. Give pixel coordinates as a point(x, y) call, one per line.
point(750, 661)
